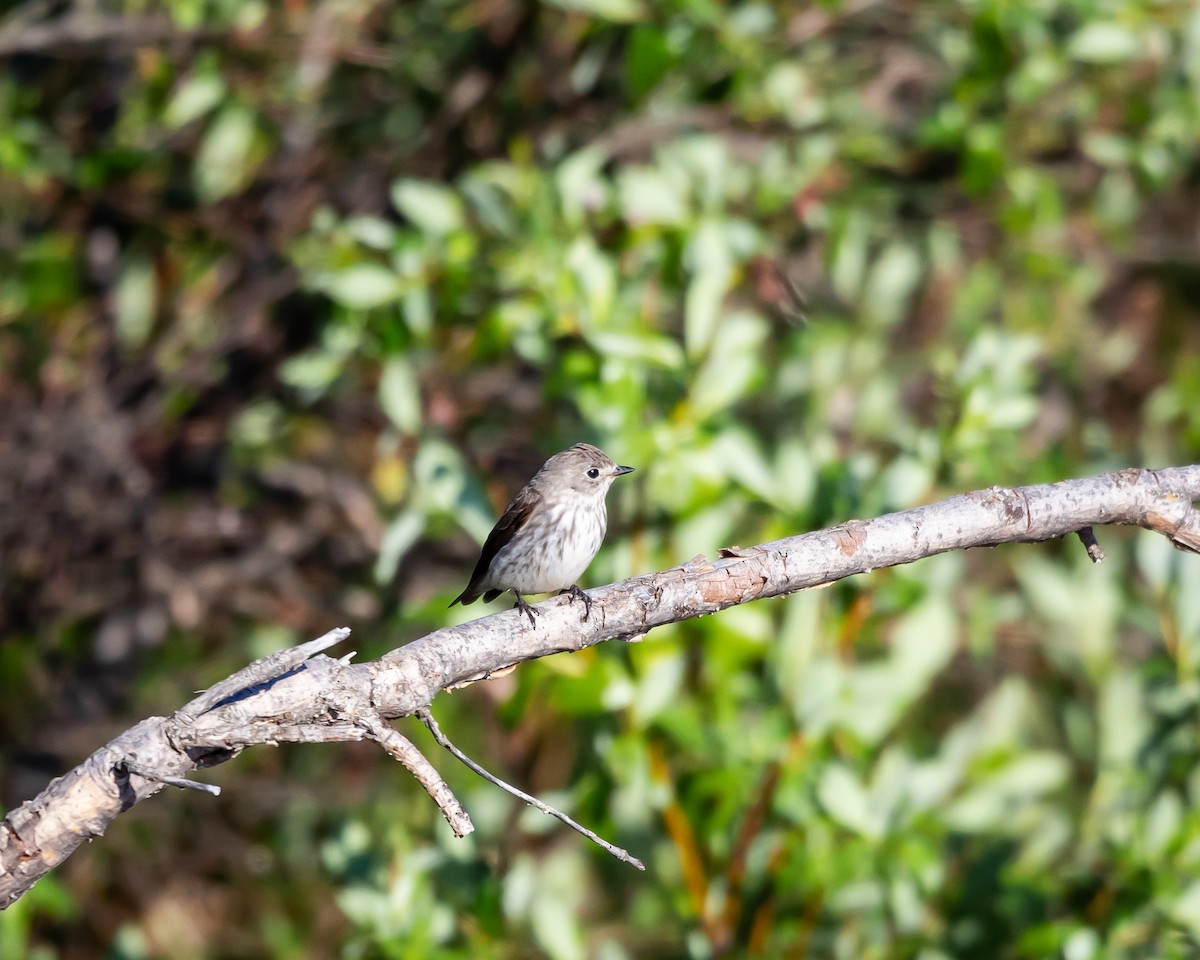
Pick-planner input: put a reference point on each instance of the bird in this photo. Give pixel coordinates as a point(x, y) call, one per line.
point(549, 532)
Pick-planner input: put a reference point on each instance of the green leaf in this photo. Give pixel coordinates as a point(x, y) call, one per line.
point(791, 92)
point(596, 275)
point(707, 161)
point(581, 186)
point(554, 923)
point(924, 641)
point(399, 395)
point(649, 196)
point(642, 346)
point(849, 264)
point(440, 475)
point(890, 286)
point(1163, 825)
point(1104, 43)
point(228, 154)
point(743, 459)
point(733, 365)
point(362, 286)
point(1121, 716)
point(136, 297)
point(710, 266)
point(1108, 149)
point(991, 804)
point(1186, 909)
point(432, 208)
point(313, 371)
point(403, 532)
point(1082, 944)
point(618, 11)
point(845, 800)
point(373, 232)
point(196, 96)
point(648, 57)
point(658, 686)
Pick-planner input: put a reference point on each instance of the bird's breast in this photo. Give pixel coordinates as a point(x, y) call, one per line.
point(553, 549)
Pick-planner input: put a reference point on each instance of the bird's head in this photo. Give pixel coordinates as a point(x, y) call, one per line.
point(582, 469)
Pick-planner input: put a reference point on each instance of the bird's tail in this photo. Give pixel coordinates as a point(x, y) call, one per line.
point(471, 594)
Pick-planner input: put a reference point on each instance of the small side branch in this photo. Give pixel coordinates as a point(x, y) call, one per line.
point(404, 750)
point(620, 854)
point(183, 783)
point(1088, 537)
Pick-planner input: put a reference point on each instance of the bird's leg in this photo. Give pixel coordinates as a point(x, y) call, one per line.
point(575, 593)
point(526, 609)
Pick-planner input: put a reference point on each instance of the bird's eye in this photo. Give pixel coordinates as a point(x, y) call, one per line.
point(593, 473)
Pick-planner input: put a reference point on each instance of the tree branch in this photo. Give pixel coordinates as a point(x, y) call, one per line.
point(301, 695)
point(444, 741)
point(407, 753)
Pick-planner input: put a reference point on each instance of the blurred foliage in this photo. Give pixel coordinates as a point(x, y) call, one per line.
point(292, 297)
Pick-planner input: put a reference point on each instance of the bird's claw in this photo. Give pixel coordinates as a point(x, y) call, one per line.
point(528, 610)
point(574, 593)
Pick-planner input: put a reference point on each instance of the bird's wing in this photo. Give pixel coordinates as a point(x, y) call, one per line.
point(515, 517)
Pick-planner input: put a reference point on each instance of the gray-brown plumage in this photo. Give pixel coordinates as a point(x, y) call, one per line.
point(550, 531)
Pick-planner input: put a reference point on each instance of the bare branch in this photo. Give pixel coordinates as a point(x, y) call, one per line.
point(443, 740)
point(181, 782)
point(301, 695)
point(264, 670)
point(407, 753)
point(1087, 537)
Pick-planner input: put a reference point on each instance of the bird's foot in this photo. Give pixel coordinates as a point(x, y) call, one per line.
point(529, 611)
point(575, 593)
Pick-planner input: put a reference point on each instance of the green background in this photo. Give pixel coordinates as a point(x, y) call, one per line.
point(294, 296)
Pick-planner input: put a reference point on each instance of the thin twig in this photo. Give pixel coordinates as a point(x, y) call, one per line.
point(181, 782)
point(1088, 536)
point(620, 854)
point(404, 750)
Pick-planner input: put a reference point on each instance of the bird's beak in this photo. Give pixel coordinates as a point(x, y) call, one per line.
point(621, 471)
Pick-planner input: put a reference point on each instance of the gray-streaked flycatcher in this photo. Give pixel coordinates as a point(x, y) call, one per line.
point(549, 533)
